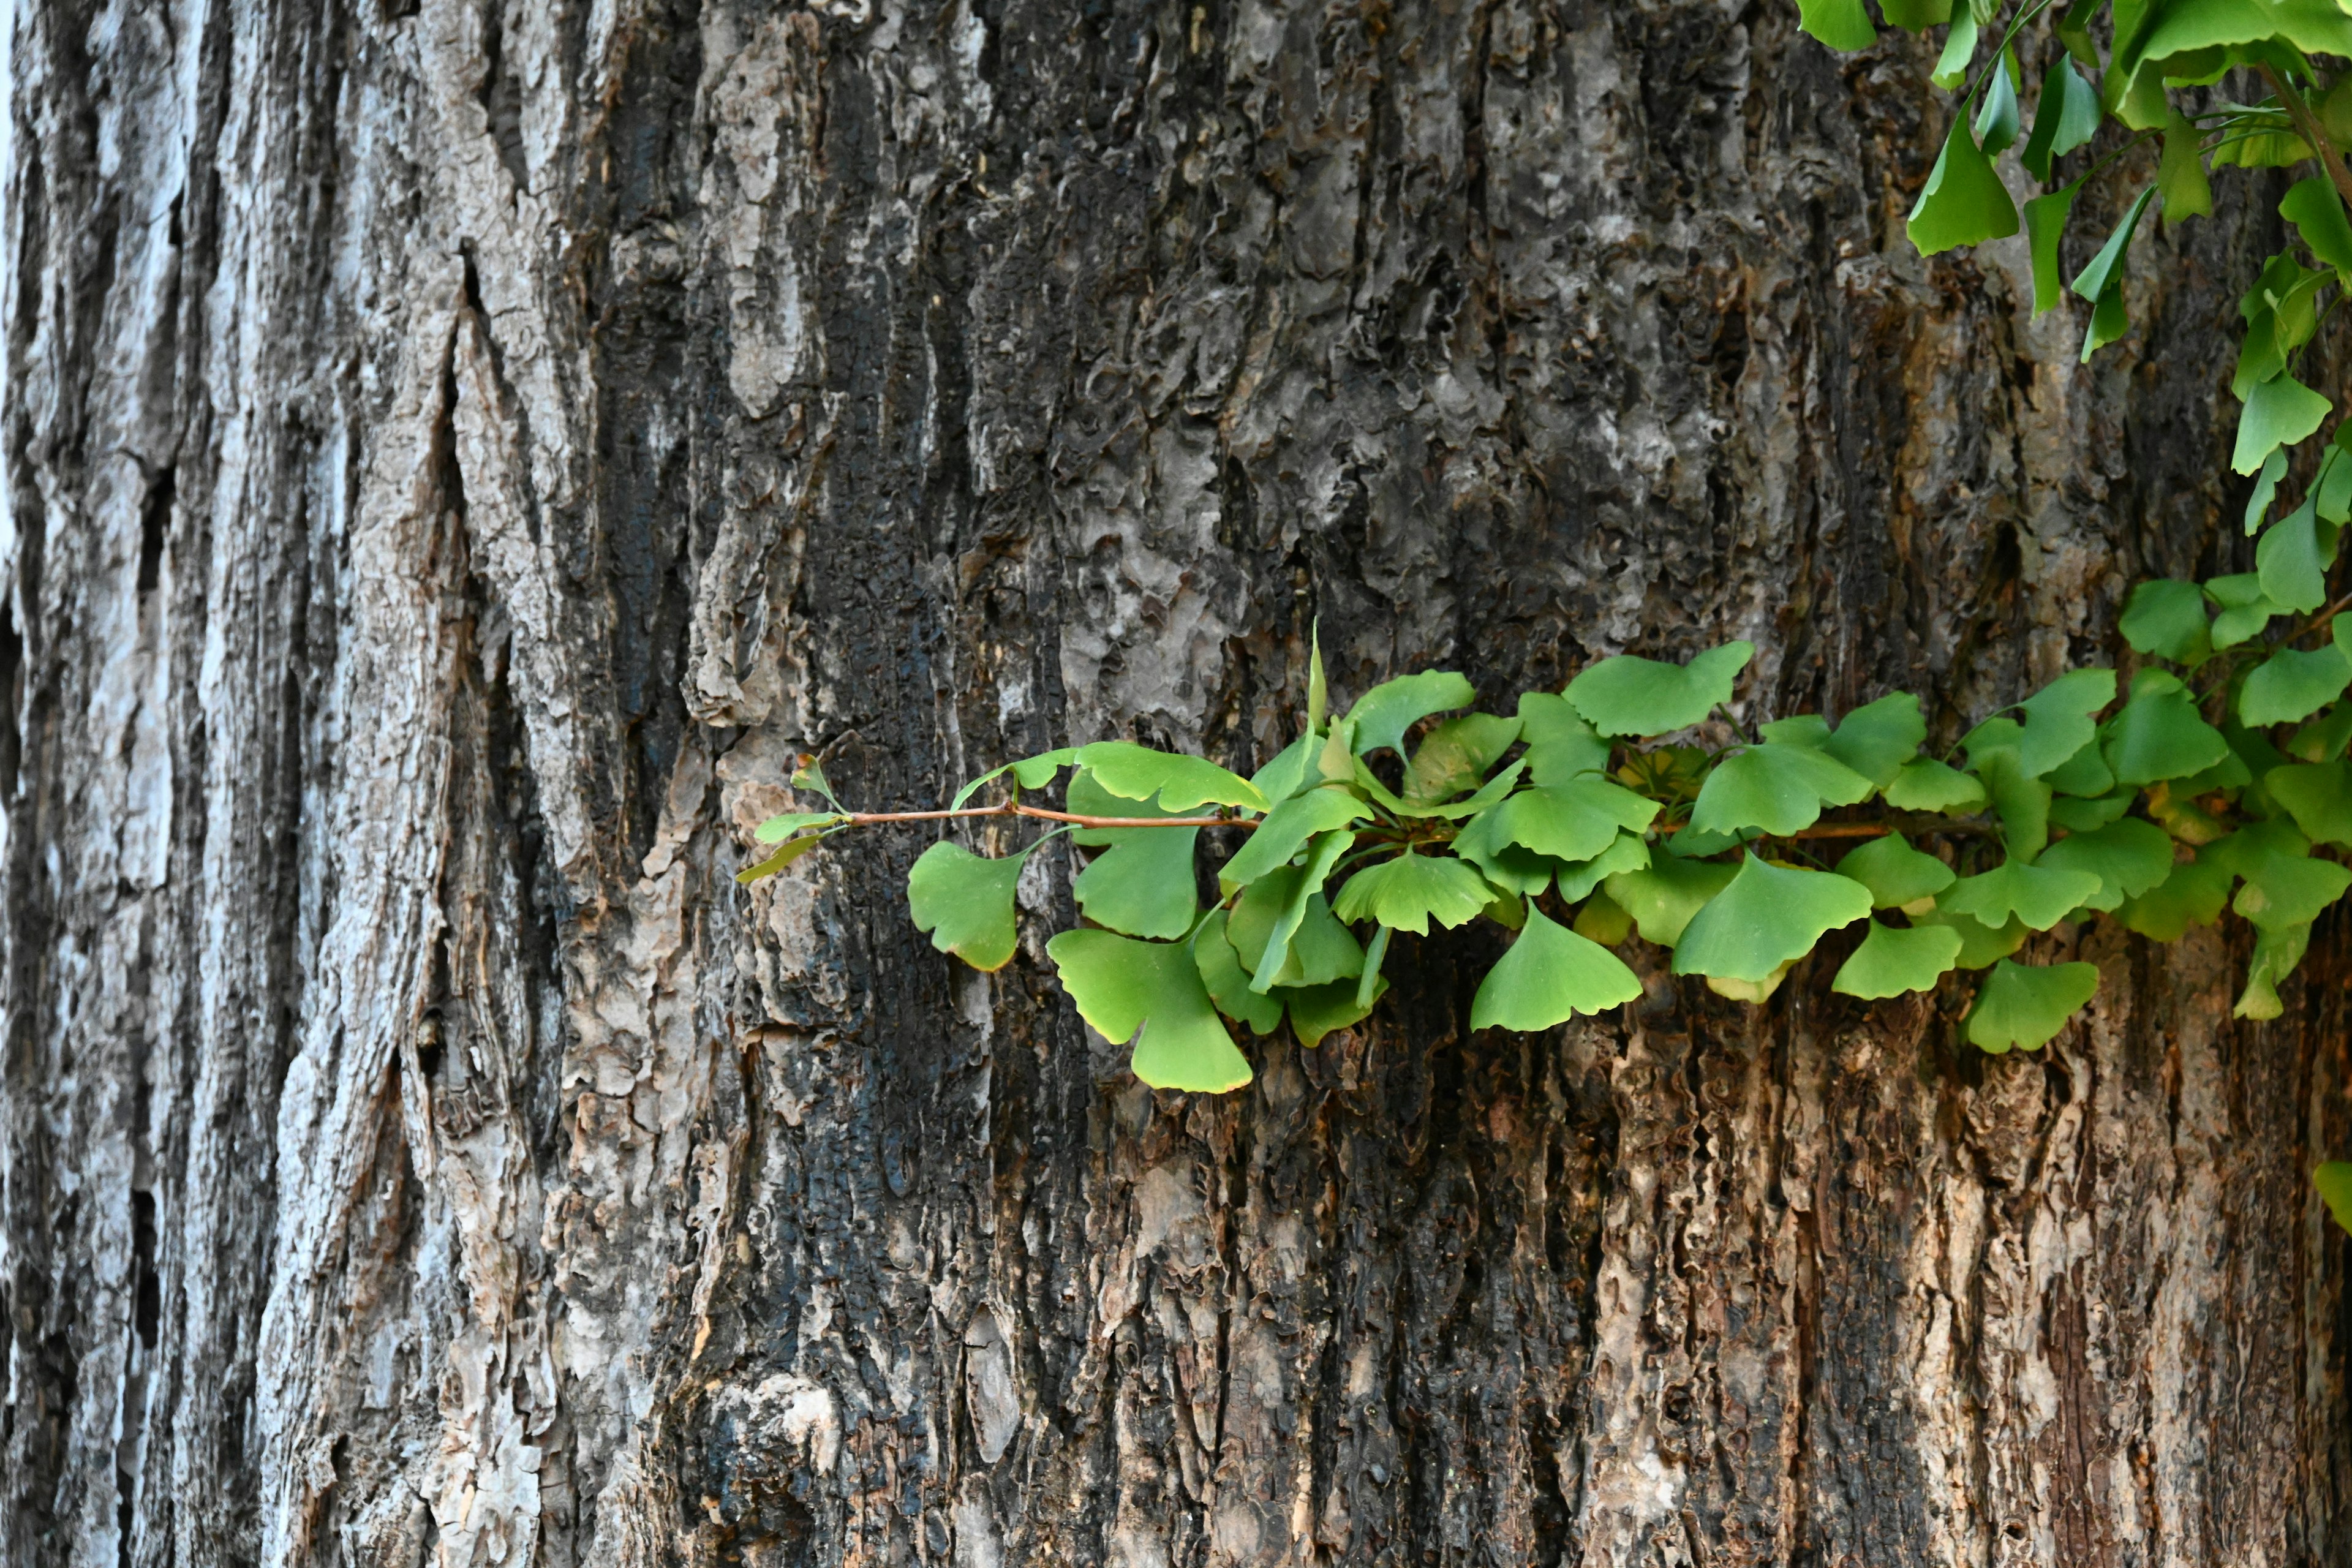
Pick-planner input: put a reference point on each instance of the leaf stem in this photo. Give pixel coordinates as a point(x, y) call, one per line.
point(1014, 808)
point(2322, 147)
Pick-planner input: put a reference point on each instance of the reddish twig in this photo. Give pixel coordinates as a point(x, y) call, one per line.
point(1010, 809)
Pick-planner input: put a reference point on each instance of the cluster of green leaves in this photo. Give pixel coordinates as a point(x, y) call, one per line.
point(2162, 70)
point(1559, 824)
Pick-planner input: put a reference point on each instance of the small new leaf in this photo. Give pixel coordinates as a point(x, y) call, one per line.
point(1410, 891)
point(2039, 896)
point(1384, 714)
point(1628, 695)
point(965, 902)
point(2128, 858)
point(1897, 875)
point(1767, 916)
point(1891, 962)
point(1928, 784)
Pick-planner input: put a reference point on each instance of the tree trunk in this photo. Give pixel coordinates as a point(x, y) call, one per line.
point(459, 451)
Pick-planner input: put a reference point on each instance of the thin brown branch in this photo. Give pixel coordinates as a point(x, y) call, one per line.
point(859, 818)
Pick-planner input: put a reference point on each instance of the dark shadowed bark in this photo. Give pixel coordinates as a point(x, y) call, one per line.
point(458, 451)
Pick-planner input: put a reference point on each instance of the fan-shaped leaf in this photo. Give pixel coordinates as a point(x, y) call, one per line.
point(2128, 858)
point(1301, 893)
point(1292, 768)
point(1182, 782)
point(1963, 201)
point(1561, 744)
point(1142, 884)
point(1318, 1010)
point(2067, 116)
point(2045, 226)
point(2285, 890)
point(2166, 618)
point(2039, 896)
point(2279, 412)
point(1409, 891)
point(2291, 684)
point(1777, 788)
point(1574, 821)
point(965, 902)
point(1841, 25)
point(2058, 721)
point(1228, 982)
point(1878, 738)
point(2158, 735)
point(1928, 784)
point(1287, 829)
point(1384, 714)
point(2244, 612)
point(1661, 897)
point(2021, 800)
point(2025, 1007)
point(1890, 961)
point(2319, 795)
point(2276, 952)
point(2077, 816)
point(2192, 893)
point(2292, 558)
point(776, 829)
point(1550, 975)
point(1628, 695)
point(1897, 876)
point(1456, 755)
point(1122, 985)
point(1998, 120)
point(1630, 853)
point(1506, 865)
point(2318, 214)
point(1767, 916)
point(1030, 772)
point(1980, 944)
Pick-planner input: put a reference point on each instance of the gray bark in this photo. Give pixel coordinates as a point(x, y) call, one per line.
point(458, 451)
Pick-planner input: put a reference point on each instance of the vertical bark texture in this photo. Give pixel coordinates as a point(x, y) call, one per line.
point(460, 450)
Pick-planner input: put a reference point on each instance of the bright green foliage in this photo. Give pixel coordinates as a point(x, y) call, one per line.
point(2166, 618)
point(2276, 952)
point(2292, 684)
point(1287, 829)
point(1891, 962)
point(1963, 201)
point(1382, 715)
point(2058, 718)
point(1628, 695)
point(965, 902)
point(2333, 1181)
point(1767, 916)
point(1998, 122)
point(1928, 784)
point(1410, 891)
point(1840, 24)
point(2102, 282)
point(2319, 795)
point(1453, 757)
point(1298, 891)
point(1879, 739)
point(2041, 896)
point(1031, 772)
point(792, 851)
point(1897, 876)
point(2025, 1007)
point(776, 829)
point(1228, 982)
point(1780, 789)
point(2159, 735)
point(1182, 782)
point(2280, 412)
point(1561, 745)
point(2066, 117)
point(2244, 611)
point(1574, 821)
point(1121, 985)
point(2045, 226)
point(1663, 896)
point(1980, 945)
point(1550, 975)
point(2192, 893)
point(1142, 883)
point(2292, 560)
point(2128, 858)
point(1630, 853)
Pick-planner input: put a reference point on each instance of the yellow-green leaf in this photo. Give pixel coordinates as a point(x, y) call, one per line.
point(1122, 987)
point(2025, 1006)
point(1550, 975)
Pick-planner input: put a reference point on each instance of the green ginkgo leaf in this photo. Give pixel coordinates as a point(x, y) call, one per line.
point(1302, 891)
point(2326, 738)
point(1382, 715)
point(1320, 950)
point(776, 829)
point(2084, 775)
point(1456, 755)
point(2101, 281)
point(2180, 178)
point(1142, 883)
point(1628, 695)
point(2158, 734)
point(2021, 800)
point(1510, 867)
point(2286, 890)
point(1928, 784)
point(2318, 214)
point(965, 902)
point(1630, 853)
point(2258, 505)
point(2058, 721)
point(2333, 1181)
point(1916, 15)
point(2292, 558)
point(2128, 858)
point(1998, 122)
point(1767, 916)
point(1561, 745)
point(2025, 1006)
point(1030, 772)
point(1897, 876)
point(1318, 1010)
point(1891, 962)
point(2039, 896)
point(2244, 612)
point(1287, 829)
point(2192, 893)
point(1879, 739)
point(2279, 412)
point(1982, 945)
point(1574, 821)
point(1292, 768)
point(2090, 815)
point(1550, 975)
point(1661, 897)
point(2276, 952)
point(1228, 982)
point(1963, 201)
point(791, 851)
point(2319, 795)
point(2065, 117)
point(1841, 25)
point(1182, 782)
point(1410, 891)
point(2045, 226)
point(1777, 788)
point(1959, 49)
point(2166, 618)
point(2292, 684)
point(1122, 985)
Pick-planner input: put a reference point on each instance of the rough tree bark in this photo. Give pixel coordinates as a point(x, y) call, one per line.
point(458, 450)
